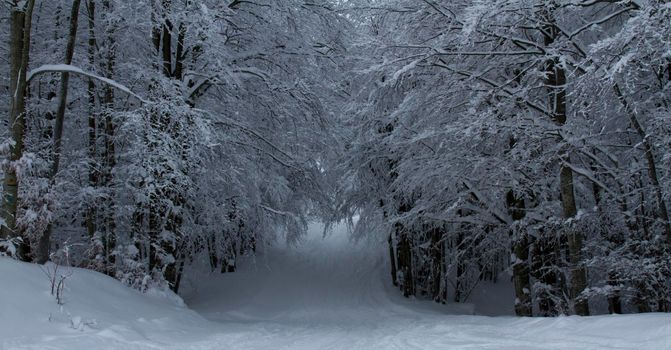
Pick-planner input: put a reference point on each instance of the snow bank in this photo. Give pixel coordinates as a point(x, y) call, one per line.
point(97, 312)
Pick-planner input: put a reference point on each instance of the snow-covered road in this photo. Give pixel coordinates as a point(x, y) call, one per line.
point(327, 293)
point(322, 294)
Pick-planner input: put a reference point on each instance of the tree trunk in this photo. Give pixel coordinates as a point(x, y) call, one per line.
point(614, 302)
point(392, 261)
point(166, 39)
point(521, 279)
point(578, 281)
point(91, 213)
point(180, 273)
point(445, 282)
point(179, 54)
point(154, 229)
point(63, 93)
point(436, 264)
point(405, 262)
point(640, 299)
point(520, 250)
point(543, 267)
point(556, 85)
point(19, 51)
point(460, 256)
point(45, 240)
point(109, 156)
point(212, 253)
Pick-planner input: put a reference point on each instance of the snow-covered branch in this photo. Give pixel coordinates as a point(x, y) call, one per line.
point(64, 68)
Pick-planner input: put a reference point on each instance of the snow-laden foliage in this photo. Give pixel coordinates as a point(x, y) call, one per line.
point(194, 130)
point(527, 136)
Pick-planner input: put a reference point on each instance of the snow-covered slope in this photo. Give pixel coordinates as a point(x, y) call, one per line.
point(98, 312)
point(323, 294)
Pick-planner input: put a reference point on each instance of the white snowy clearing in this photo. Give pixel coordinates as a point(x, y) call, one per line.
point(322, 294)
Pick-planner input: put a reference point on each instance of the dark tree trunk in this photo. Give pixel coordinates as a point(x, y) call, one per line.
point(461, 267)
point(179, 54)
point(392, 261)
point(578, 274)
point(544, 263)
point(109, 157)
point(93, 176)
point(212, 253)
point(523, 306)
point(556, 85)
point(520, 250)
point(19, 51)
point(43, 247)
point(614, 302)
point(404, 252)
point(437, 262)
point(180, 273)
point(640, 300)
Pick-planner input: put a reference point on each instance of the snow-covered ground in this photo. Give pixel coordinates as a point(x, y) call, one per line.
point(322, 294)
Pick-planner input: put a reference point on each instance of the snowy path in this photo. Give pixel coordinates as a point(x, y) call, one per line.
point(322, 294)
point(329, 294)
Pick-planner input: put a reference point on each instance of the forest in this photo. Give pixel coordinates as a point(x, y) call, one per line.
point(501, 141)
